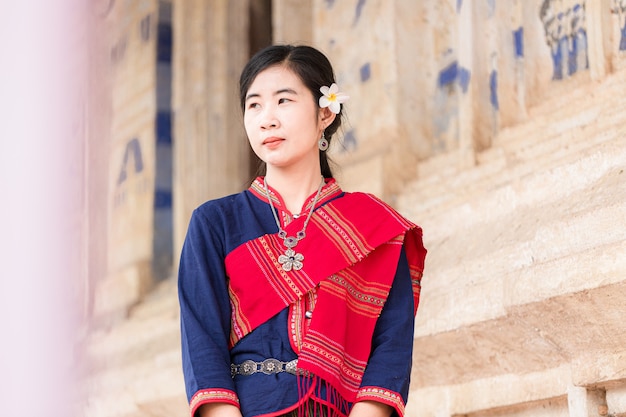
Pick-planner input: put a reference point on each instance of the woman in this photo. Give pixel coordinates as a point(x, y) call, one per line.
point(297, 298)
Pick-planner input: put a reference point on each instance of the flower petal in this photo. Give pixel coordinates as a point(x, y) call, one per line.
point(334, 88)
point(341, 97)
point(325, 90)
point(335, 107)
point(324, 102)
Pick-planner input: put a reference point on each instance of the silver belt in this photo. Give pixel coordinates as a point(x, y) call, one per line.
point(268, 366)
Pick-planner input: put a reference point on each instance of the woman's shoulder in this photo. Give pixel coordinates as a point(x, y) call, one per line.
point(361, 197)
point(369, 204)
point(222, 205)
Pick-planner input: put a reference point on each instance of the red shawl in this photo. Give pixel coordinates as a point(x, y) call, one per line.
point(351, 251)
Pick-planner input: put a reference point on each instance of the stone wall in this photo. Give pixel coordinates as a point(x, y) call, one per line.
point(138, 144)
point(496, 125)
point(211, 158)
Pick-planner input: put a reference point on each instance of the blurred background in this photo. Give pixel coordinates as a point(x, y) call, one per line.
point(498, 126)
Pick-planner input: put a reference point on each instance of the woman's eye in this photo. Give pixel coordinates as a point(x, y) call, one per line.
point(253, 105)
point(283, 100)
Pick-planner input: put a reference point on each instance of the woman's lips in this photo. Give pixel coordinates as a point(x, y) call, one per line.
point(272, 141)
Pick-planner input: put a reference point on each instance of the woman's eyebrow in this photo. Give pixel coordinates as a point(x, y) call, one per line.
point(281, 91)
point(252, 95)
point(286, 90)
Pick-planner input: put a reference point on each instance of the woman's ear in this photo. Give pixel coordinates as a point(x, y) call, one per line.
point(326, 117)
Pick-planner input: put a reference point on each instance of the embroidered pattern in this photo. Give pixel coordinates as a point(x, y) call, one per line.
point(332, 357)
point(382, 395)
point(394, 214)
point(210, 396)
point(343, 234)
point(299, 322)
point(358, 249)
point(258, 189)
point(349, 286)
point(239, 325)
point(289, 286)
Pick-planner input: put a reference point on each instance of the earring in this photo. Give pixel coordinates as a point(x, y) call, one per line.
point(323, 143)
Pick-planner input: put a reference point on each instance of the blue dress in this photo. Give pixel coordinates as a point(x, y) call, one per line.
point(215, 229)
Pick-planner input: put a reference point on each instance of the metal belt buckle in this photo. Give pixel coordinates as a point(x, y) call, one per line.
point(248, 368)
point(291, 367)
point(268, 366)
point(271, 366)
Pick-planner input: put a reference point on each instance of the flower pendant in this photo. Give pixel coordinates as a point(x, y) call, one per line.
point(291, 260)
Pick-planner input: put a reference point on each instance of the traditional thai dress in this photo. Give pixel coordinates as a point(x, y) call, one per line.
point(347, 315)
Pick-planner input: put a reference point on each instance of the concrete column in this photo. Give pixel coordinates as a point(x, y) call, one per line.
point(583, 402)
point(361, 43)
point(210, 148)
point(597, 17)
point(292, 21)
point(467, 83)
point(131, 182)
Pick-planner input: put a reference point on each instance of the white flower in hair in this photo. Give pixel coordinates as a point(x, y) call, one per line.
point(332, 98)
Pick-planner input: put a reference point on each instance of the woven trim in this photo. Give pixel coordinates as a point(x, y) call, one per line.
point(330, 189)
point(212, 395)
point(382, 395)
point(332, 357)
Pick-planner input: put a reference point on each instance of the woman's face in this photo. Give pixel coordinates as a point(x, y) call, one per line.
point(283, 121)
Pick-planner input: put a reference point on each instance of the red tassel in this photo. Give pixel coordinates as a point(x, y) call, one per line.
point(318, 398)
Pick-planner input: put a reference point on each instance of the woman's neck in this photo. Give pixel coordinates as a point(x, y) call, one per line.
point(294, 188)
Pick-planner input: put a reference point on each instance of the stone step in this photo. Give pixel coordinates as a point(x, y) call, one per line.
point(487, 192)
point(154, 318)
point(131, 341)
point(531, 338)
point(138, 388)
point(162, 299)
point(129, 368)
point(526, 264)
point(519, 150)
point(529, 229)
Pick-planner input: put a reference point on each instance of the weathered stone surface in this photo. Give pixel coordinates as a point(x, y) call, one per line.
point(527, 265)
point(484, 123)
point(211, 158)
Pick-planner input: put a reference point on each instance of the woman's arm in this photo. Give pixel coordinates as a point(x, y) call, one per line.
point(218, 410)
point(370, 409)
point(205, 314)
point(387, 375)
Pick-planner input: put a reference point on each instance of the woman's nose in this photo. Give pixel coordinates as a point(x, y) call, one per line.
point(268, 118)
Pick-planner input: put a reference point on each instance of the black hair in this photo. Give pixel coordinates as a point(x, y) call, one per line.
point(313, 69)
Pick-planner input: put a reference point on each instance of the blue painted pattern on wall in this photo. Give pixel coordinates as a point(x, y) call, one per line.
point(164, 127)
point(349, 141)
point(619, 8)
point(566, 36)
point(358, 11)
point(493, 89)
point(164, 42)
point(162, 199)
point(132, 151)
point(518, 40)
point(145, 28)
point(452, 73)
point(365, 72)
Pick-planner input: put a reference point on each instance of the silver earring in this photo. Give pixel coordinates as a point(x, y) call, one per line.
point(323, 143)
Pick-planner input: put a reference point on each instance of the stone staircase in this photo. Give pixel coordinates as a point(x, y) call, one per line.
point(528, 234)
point(134, 368)
point(526, 266)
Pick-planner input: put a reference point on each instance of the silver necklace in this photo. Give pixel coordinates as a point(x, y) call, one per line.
point(291, 259)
